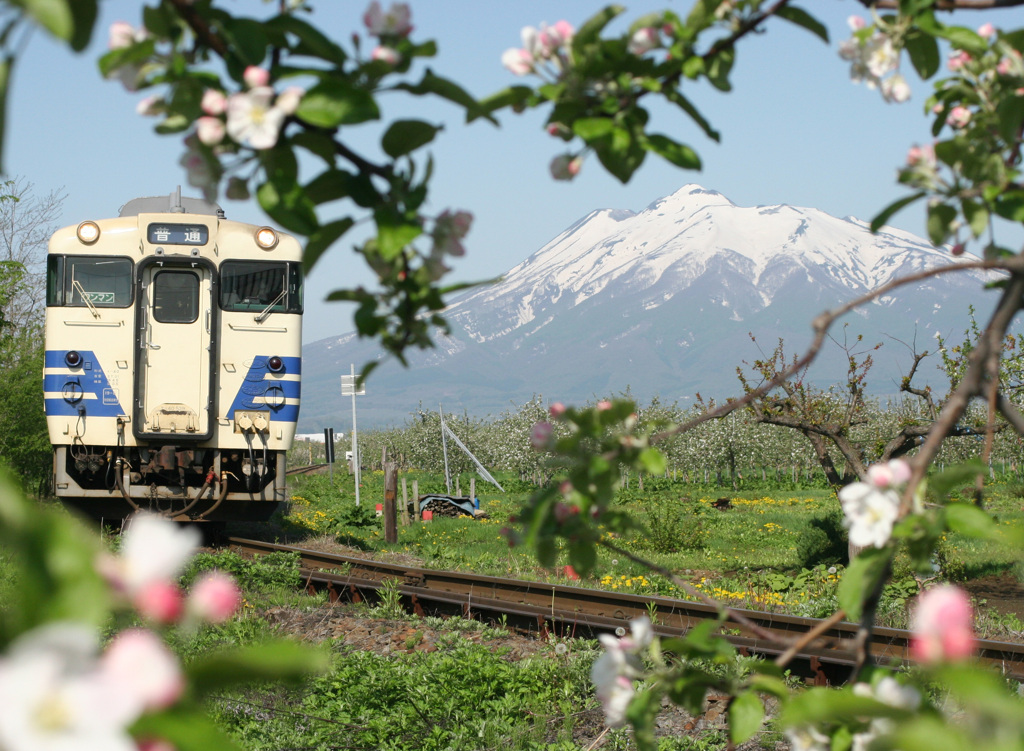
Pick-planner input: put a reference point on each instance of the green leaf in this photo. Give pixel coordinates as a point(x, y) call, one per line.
point(311, 40)
point(1010, 117)
point(335, 102)
point(446, 89)
point(583, 556)
point(964, 39)
point(678, 154)
point(745, 716)
point(676, 97)
point(653, 461)
point(802, 18)
point(247, 38)
point(84, 13)
point(55, 16)
point(954, 476)
point(394, 232)
point(316, 143)
point(860, 578)
point(887, 213)
point(1010, 205)
point(322, 239)
point(620, 154)
point(971, 521)
point(287, 204)
point(719, 67)
point(940, 218)
point(405, 136)
point(924, 53)
point(591, 29)
point(977, 216)
point(185, 727)
point(271, 661)
point(591, 128)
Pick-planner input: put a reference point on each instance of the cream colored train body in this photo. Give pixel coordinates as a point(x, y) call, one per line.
point(173, 362)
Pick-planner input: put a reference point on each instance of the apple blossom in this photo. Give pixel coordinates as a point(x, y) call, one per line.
point(215, 597)
point(958, 60)
point(942, 625)
point(603, 405)
point(449, 230)
point(387, 55)
point(214, 102)
point(643, 41)
point(252, 120)
point(958, 117)
point(54, 697)
point(144, 669)
point(894, 472)
point(518, 61)
point(210, 130)
point(153, 549)
point(856, 23)
point(958, 249)
point(986, 31)
point(895, 89)
point(150, 106)
point(870, 513)
point(289, 99)
point(921, 156)
point(122, 34)
point(396, 22)
point(557, 409)
point(807, 738)
point(612, 672)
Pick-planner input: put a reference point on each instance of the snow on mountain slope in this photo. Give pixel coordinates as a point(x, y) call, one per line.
point(675, 241)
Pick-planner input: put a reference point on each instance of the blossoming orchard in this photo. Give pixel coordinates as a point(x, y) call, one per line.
point(247, 96)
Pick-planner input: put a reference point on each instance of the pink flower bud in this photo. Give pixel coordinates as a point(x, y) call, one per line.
point(986, 31)
point(942, 626)
point(958, 60)
point(215, 597)
point(160, 601)
point(541, 435)
point(255, 76)
point(643, 41)
point(210, 130)
point(604, 405)
point(856, 23)
point(556, 410)
point(387, 55)
point(565, 167)
point(518, 61)
point(958, 249)
point(959, 116)
point(214, 102)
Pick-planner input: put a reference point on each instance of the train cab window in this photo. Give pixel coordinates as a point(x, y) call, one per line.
point(81, 281)
point(261, 285)
point(175, 296)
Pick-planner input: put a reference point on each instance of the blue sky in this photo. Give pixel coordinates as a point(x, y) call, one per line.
point(795, 130)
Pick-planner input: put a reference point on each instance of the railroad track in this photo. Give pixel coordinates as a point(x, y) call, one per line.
point(568, 609)
point(307, 470)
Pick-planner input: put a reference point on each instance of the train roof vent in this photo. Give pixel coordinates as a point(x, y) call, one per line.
point(174, 203)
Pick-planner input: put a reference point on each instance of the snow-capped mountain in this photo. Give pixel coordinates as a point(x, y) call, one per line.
point(663, 302)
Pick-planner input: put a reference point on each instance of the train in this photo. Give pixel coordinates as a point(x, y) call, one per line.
point(173, 362)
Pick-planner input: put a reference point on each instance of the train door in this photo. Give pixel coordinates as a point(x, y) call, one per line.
point(174, 346)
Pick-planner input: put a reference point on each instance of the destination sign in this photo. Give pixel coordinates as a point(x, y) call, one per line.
point(178, 234)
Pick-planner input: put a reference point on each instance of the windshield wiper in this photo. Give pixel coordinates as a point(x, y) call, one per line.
point(262, 316)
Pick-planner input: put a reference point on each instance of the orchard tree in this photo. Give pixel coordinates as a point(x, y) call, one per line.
point(226, 82)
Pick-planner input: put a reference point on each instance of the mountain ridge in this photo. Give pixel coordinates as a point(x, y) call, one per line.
point(661, 301)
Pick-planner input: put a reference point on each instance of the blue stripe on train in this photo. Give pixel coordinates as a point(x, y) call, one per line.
point(260, 385)
point(88, 379)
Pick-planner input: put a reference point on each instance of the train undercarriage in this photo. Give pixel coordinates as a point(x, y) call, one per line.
point(181, 482)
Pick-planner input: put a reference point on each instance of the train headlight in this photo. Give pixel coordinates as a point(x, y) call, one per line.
point(88, 232)
point(73, 359)
point(266, 238)
point(275, 364)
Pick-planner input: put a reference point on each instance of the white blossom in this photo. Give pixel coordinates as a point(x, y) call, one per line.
point(870, 513)
point(253, 120)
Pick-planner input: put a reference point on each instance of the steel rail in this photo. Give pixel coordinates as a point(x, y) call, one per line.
point(575, 608)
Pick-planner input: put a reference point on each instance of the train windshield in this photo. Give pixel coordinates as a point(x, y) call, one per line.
point(82, 281)
point(261, 285)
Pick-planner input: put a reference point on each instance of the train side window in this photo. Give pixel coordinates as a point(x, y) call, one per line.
point(88, 280)
point(54, 280)
point(255, 285)
point(175, 296)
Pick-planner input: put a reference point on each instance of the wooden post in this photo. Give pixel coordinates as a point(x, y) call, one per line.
point(458, 487)
point(390, 496)
point(405, 504)
point(416, 501)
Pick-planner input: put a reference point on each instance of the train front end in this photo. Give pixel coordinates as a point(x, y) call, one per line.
point(173, 362)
